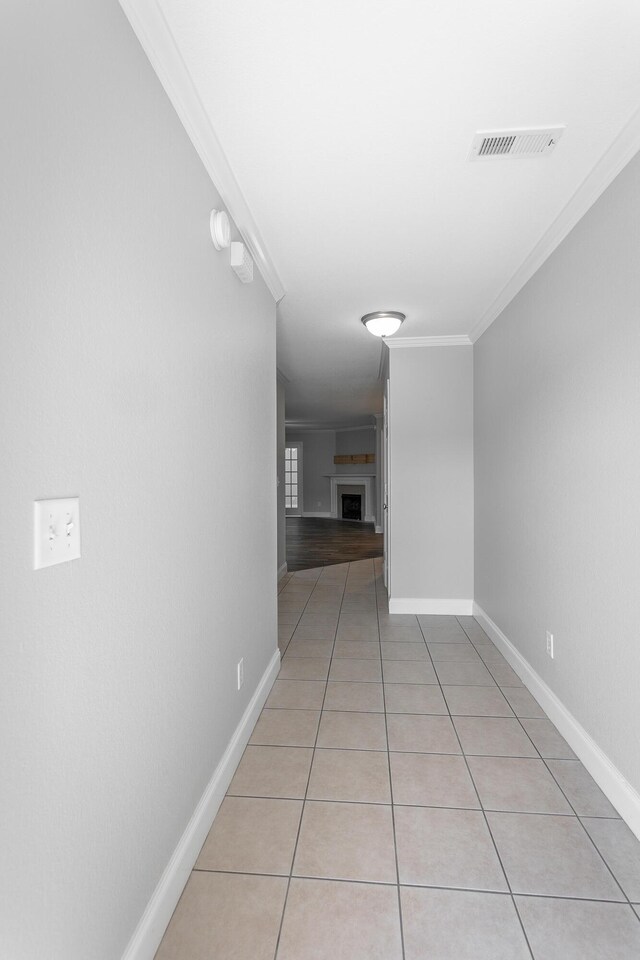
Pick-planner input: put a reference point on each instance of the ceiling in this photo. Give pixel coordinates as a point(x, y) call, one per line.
point(347, 125)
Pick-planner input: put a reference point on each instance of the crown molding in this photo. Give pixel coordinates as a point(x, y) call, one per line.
point(156, 38)
point(461, 340)
point(621, 151)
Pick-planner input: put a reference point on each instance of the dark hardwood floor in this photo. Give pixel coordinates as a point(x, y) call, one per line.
point(313, 542)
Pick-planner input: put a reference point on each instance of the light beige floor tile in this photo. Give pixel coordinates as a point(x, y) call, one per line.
point(313, 631)
point(251, 907)
point(429, 779)
point(323, 607)
point(455, 652)
point(362, 697)
point(285, 631)
point(413, 698)
point(446, 848)
point(296, 694)
point(494, 737)
point(394, 634)
point(523, 704)
point(410, 733)
point(571, 930)
point(286, 728)
point(463, 673)
point(319, 619)
point(408, 671)
point(333, 920)
point(461, 925)
point(346, 841)
point(352, 731)
point(351, 775)
point(398, 620)
point(357, 632)
point(438, 620)
point(510, 783)
point(551, 856)
point(359, 670)
point(547, 740)
point(357, 649)
point(252, 835)
point(304, 668)
point(582, 791)
point(272, 772)
point(503, 674)
point(477, 702)
point(399, 650)
point(490, 654)
point(310, 648)
point(621, 850)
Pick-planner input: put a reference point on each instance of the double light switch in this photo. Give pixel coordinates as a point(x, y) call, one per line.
point(57, 531)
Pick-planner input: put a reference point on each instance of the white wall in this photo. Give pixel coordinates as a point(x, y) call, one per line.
point(318, 447)
point(557, 408)
point(139, 374)
point(431, 478)
point(356, 441)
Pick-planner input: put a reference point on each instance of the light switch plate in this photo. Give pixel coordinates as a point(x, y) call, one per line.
point(56, 531)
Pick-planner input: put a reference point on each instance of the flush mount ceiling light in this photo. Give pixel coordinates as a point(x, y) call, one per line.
point(384, 323)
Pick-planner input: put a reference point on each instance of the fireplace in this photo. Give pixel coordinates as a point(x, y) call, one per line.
point(351, 506)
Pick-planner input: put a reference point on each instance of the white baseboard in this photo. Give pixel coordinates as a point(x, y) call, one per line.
point(282, 569)
point(369, 518)
point(613, 784)
point(379, 529)
point(154, 921)
point(452, 608)
point(311, 513)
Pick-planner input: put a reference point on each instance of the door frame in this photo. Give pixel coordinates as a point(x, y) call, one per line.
point(385, 487)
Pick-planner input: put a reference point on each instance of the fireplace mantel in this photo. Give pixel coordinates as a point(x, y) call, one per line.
point(355, 480)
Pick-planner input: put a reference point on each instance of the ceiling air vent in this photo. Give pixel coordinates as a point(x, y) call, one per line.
point(514, 143)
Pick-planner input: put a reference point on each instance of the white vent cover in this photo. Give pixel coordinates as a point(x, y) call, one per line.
point(514, 143)
point(241, 262)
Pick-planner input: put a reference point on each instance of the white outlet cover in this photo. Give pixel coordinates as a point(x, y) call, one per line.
point(56, 531)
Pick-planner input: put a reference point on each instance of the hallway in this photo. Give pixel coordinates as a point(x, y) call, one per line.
point(404, 796)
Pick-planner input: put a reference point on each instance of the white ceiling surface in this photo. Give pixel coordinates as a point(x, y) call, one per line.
point(348, 123)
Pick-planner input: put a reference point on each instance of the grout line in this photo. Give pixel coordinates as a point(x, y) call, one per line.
point(393, 815)
point(420, 886)
point(306, 791)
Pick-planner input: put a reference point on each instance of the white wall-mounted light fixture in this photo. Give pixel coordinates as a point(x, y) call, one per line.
point(220, 229)
point(241, 262)
point(383, 323)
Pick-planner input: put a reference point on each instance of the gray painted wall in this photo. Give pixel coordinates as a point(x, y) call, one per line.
point(282, 526)
point(137, 373)
point(356, 441)
point(557, 438)
point(431, 473)
point(317, 463)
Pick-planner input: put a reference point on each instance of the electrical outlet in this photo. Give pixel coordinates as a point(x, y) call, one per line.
point(550, 644)
point(240, 672)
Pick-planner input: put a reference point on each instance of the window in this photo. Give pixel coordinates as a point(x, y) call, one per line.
point(291, 478)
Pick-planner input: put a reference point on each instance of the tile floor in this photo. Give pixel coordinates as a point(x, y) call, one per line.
point(404, 796)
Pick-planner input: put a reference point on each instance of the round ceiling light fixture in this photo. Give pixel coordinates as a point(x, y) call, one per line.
point(383, 323)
